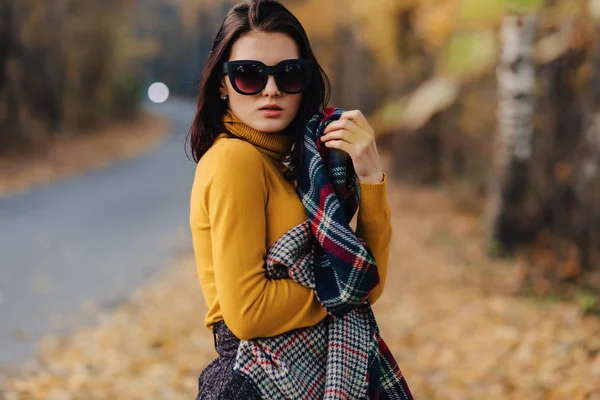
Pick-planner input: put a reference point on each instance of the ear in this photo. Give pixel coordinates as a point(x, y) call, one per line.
point(223, 89)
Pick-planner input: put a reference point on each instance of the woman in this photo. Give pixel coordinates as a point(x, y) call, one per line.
point(261, 84)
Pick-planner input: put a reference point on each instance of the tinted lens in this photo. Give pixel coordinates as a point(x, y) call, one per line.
point(292, 78)
point(250, 78)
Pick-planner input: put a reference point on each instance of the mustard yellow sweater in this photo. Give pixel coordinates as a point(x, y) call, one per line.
point(240, 205)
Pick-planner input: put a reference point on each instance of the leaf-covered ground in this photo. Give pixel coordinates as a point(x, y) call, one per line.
point(448, 314)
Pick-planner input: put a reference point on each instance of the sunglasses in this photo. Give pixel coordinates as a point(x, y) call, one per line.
point(250, 77)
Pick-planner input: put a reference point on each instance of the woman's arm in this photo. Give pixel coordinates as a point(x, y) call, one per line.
point(252, 305)
point(353, 134)
point(373, 225)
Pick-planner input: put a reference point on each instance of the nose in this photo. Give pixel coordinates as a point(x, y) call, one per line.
point(271, 89)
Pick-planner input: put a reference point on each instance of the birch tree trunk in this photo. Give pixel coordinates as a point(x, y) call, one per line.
point(515, 77)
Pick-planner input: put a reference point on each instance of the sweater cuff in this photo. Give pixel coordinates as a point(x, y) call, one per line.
point(373, 198)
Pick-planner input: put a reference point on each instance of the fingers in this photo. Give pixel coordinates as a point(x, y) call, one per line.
point(342, 124)
point(340, 145)
point(339, 134)
point(358, 118)
point(350, 133)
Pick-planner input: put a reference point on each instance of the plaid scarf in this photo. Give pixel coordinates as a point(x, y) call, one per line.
point(344, 356)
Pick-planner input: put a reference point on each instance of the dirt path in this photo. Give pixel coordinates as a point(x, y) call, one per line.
point(447, 313)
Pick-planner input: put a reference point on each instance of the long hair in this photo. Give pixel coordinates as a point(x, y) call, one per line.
point(265, 16)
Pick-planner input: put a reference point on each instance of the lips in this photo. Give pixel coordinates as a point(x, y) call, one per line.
point(272, 107)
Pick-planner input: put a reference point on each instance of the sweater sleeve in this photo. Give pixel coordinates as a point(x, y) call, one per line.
point(252, 305)
point(373, 225)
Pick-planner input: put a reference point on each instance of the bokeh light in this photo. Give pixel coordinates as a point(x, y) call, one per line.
point(158, 92)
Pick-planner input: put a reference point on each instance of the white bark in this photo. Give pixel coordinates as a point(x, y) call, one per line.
point(516, 79)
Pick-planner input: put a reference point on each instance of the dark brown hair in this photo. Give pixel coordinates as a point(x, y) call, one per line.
point(265, 16)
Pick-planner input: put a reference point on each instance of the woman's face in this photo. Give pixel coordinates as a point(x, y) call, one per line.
point(269, 48)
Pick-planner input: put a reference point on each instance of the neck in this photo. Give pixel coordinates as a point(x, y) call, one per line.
point(275, 145)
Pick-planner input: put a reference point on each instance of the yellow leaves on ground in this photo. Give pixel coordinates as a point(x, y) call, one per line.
point(447, 313)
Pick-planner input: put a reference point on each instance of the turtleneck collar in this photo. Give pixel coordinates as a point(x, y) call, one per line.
point(274, 145)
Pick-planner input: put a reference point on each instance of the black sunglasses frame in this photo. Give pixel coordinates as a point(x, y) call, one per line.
point(230, 67)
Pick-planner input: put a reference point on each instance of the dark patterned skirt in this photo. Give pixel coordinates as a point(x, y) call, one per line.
point(218, 381)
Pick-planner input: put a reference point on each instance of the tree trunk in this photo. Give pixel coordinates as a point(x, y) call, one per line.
point(586, 180)
point(515, 78)
point(5, 30)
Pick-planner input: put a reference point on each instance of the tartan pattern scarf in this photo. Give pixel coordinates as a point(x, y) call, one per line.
point(344, 356)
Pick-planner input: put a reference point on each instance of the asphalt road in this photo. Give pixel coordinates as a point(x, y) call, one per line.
point(94, 237)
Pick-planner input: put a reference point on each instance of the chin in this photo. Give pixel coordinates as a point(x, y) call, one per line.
point(273, 125)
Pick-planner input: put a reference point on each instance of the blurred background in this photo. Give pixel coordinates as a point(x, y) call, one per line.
point(487, 118)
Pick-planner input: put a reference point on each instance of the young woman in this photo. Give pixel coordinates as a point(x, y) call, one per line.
point(260, 86)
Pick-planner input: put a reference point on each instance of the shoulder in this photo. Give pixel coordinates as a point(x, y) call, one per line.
point(229, 176)
point(231, 159)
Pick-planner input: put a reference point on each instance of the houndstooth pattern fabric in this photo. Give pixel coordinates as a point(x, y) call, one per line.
point(344, 356)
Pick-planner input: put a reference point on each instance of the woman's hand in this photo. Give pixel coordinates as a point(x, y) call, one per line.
point(353, 134)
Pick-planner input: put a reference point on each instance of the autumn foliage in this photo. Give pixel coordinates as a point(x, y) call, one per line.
point(423, 70)
point(65, 66)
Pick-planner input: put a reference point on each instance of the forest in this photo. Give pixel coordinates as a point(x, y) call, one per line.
point(487, 121)
point(496, 102)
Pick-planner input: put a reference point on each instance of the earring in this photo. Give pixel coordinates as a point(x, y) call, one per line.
point(224, 97)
